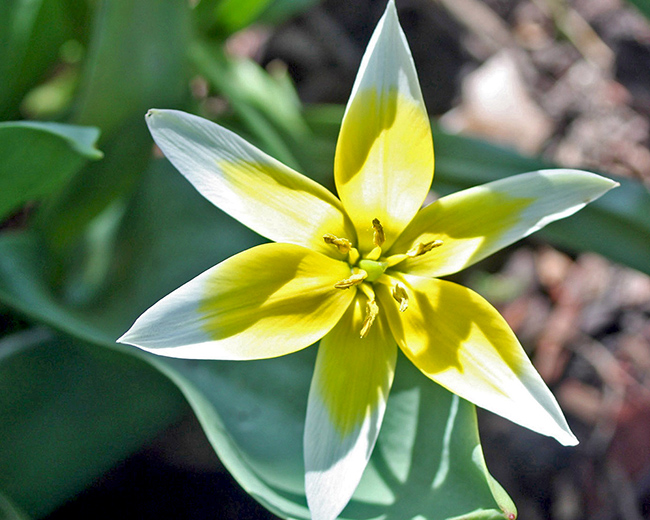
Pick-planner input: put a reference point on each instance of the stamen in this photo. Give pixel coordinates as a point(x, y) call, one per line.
point(355, 279)
point(343, 244)
point(401, 296)
point(378, 237)
point(372, 310)
point(421, 248)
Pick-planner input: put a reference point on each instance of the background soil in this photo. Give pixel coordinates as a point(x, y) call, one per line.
point(569, 81)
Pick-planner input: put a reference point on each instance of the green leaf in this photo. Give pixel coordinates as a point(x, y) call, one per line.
point(222, 18)
point(31, 32)
point(9, 510)
point(233, 15)
point(37, 159)
point(70, 411)
point(136, 61)
point(427, 463)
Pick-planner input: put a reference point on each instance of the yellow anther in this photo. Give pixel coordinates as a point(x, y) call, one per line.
point(355, 279)
point(378, 237)
point(401, 296)
point(421, 248)
point(372, 310)
point(343, 244)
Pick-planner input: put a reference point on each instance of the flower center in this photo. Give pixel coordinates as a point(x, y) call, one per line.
point(372, 266)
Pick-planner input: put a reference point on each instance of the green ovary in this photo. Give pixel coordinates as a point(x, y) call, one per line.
point(373, 268)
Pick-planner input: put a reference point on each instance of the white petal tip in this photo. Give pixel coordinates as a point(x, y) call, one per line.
point(605, 182)
point(567, 439)
point(124, 339)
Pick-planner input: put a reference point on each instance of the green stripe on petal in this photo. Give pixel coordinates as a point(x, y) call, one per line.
point(347, 400)
point(384, 155)
point(477, 222)
point(268, 301)
point(460, 341)
point(259, 191)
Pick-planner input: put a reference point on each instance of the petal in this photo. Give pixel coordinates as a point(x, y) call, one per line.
point(384, 155)
point(346, 406)
point(461, 342)
point(260, 192)
point(268, 301)
point(475, 223)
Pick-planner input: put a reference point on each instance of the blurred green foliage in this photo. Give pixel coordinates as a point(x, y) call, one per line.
point(103, 235)
point(643, 6)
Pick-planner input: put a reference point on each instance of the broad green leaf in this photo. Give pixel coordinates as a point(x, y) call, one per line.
point(427, 464)
point(136, 61)
point(69, 411)
point(136, 58)
point(37, 159)
point(9, 510)
point(64, 217)
point(616, 226)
